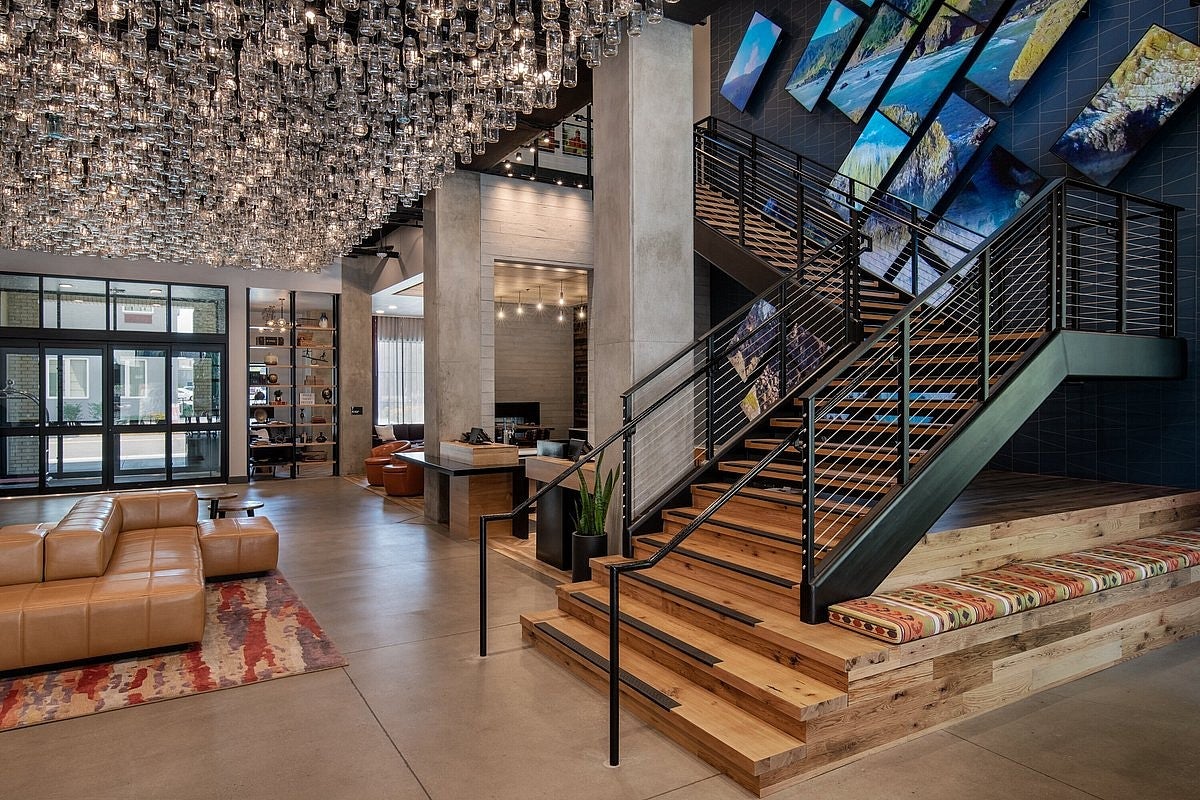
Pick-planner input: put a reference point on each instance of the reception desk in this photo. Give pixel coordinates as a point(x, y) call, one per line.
point(558, 509)
point(476, 490)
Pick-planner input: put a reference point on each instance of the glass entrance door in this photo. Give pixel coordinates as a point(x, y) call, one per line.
point(74, 384)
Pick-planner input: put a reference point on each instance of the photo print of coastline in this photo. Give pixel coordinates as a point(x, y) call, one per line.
point(1143, 93)
point(758, 42)
point(890, 232)
point(868, 163)
point(996, 190)
point(942, 153)
point(981, 11)
point(829, 43)
point(871, 62)
point(1024, 39)
point(753, 342)
point(916, 9)
point(943, 48)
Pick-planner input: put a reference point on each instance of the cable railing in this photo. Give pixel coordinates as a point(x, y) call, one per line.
point(894, 401)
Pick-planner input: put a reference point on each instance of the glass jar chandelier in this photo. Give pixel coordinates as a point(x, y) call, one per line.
point(262, 134)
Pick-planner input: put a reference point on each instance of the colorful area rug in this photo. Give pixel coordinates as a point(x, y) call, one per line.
point(257, 629)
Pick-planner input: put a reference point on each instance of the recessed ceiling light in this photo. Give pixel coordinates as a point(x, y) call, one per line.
point(391, 308)
point(156, 291)
point(379, 311)
point(66, 286)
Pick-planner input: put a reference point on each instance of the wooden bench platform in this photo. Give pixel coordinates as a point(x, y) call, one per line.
point(904, 615)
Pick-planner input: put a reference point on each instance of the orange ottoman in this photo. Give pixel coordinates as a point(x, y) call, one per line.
point(403, 480)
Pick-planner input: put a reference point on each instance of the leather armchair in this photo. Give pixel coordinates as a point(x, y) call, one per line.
point(381, 455)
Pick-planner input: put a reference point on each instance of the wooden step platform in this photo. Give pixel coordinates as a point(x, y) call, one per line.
point(714, 661)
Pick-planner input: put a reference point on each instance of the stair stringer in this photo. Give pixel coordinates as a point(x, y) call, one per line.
point(860, 563)
point(740, 263)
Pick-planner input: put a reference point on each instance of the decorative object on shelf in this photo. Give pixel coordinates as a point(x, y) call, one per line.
point(271, 360)
point(269, 341)
point(278, 397)
point(327, 394)
point(256, 379)
point(589, 540)
point(263, 81)
point(302, 416)
point(323, 320)
point(275, 317)
point(307, 399)
point(320, 421)
point(321, 438)
point(304, 340)
point(272, 378)
point(321, 359)
point(259, 396)
point(260, 415)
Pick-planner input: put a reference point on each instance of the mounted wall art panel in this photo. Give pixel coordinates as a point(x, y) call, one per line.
point(871, 62)
point(868, 162)
point(830, 41)
point(759, 40)
point(981, 11)
point(1024, 39)
point(943, 48)
point(1133, 105)
point(996, 190)
point(916, 9)
point(942, 153)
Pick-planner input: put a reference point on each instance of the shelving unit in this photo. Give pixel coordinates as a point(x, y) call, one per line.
point(292, 384)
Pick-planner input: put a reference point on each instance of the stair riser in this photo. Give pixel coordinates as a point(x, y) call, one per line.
point(775, 514)
point(826, 480)
point(754, 638)
point(775, 596)
point(753, 699)
point(743, 542)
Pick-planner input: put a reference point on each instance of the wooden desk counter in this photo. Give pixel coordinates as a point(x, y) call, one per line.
point(544, 469)
point(558, 508)
point(476, 490)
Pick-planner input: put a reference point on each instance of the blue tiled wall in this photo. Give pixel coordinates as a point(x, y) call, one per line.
point(1138, 432)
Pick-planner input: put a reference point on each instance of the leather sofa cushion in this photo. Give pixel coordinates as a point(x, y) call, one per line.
point(152, 596)
point(167, 508)
point(83, 541)
point(22, 552)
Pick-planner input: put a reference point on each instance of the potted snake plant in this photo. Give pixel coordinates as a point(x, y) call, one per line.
point(589, 539)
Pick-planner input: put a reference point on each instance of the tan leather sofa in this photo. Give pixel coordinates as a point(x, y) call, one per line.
point(118, 573)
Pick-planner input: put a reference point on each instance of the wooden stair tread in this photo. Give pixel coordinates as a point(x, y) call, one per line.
point(751, 745)
point(827, 644)
point(804, 697)
point(971, 359)
point(731, 518)
point(827, 476)
point(783, 497)
point(922, 380)
point(696, 547)
point(944, 339)
point(913, 405)
point(916, 429)
point(859, 452)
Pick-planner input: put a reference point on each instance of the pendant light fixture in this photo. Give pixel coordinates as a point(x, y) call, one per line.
point(521, 303)
point(562, 300)
point(540, 305)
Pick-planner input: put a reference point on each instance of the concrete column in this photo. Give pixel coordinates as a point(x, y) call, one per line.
point(642, 301)
point(453, 329)
point(355, 360)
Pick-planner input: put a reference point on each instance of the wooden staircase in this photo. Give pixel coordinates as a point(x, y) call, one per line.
point(713, 652)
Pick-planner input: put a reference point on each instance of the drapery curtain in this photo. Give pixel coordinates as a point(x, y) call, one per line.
point(400, 362)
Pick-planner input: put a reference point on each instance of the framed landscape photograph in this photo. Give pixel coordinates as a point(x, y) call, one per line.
point(575, 140)
point(757, 44)
point(1146, 90)
point(830, 41)
point(981, 11)
point(1024, 39)
point(923, 79)
point(871, 62)
point(868, 163)
point(942, 153)
point(995, 191)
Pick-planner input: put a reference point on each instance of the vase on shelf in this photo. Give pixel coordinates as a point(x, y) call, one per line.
point(323, 320)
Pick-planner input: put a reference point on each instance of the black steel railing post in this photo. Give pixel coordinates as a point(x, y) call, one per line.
point(710, 398)
point(614, 667)
point(1069, 243)
point(1056, 286)
point(781, 339)
point(801, 219)
point(904, 445)
point(483, 587)
point(913, 229)
point(1122, 246)
point(985, 323)
point(809, 534)
point(1167, 232)
point(741, 200)
point(626, 475)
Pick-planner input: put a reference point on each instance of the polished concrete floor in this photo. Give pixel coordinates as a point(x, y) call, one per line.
point(417, 714)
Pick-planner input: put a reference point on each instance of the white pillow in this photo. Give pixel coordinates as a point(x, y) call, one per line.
point(384, 432)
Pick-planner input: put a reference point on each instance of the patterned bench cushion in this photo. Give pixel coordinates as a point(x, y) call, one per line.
point(930, 608)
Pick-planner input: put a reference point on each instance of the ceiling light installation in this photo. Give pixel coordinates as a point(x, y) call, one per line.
point(264, 134)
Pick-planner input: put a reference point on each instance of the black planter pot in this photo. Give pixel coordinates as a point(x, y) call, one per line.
point(583, 549)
